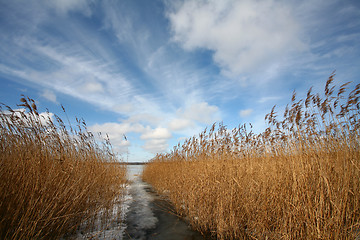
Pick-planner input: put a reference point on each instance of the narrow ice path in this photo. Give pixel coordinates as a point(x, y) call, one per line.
point(140, 218)
point(152, 217)
point(140, 214)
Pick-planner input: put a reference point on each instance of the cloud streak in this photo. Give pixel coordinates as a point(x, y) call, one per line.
point(246, 112)
point(166, 69)
point(243, 35)
point(49, 95)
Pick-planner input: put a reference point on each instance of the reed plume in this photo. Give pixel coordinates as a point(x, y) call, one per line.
point(52, 179)
point(298, 179)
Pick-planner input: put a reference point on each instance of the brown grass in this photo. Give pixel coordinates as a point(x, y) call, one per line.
point(299, 179)
point(52, 179)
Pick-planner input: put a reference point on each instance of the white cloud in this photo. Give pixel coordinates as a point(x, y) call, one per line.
point(147, 118)
point(65, 6)
point(243, 35)
point(157, 133)
point(49, 95)
point(190, 119)
point(155, 139)
point(181, 124)
point(201, 112)
point(156, 145)
point(44, 117)
point(246, 112)
point(267, 99)
point(116, 132)
point(93, 87)
point(117, 129)
point(76, 73)
point(128, 27)
point(123, 108)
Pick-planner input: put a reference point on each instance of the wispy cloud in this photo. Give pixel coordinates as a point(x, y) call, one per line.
point(246, 112)
point(156, 145)
point(117, 132)
point(236, 31)
point(155, 139)
point(66, 6)
point(201, 112)
point(268, 99)
point(157, 133)
point(78, 75)
point(44, 117)
point(180, 124)
point(49, 95)
point(166, 69)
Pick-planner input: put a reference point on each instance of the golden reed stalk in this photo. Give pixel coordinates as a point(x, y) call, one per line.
point(52, 179)
point(299, 179)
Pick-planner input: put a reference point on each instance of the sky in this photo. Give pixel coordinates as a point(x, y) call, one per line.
point(161, 71)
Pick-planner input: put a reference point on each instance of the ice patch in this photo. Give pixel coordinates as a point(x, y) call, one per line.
point(113, 228)
point(140, 217)
point(131, 217)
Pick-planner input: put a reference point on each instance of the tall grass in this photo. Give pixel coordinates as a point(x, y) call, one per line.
point(52, 178)
point(299, 179)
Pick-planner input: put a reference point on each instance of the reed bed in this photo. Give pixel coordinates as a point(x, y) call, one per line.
point(52, 177)
point(299, 179)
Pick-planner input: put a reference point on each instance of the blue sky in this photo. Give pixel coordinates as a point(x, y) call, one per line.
point(160, 71)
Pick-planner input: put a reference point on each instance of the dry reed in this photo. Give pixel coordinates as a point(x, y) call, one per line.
point(299, 179)
point(52, 178)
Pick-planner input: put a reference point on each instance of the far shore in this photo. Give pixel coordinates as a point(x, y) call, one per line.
point(128, 163)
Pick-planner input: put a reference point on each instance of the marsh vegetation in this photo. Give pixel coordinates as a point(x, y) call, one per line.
point(53, 177)
point(299, 179)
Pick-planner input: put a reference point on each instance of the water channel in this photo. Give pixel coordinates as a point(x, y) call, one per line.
point(147, 216)
point(150, 216)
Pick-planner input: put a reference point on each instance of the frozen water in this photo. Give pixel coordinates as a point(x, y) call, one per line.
point(113, 229)
point(134, 171)
point(140, 218)
point(143, 214)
